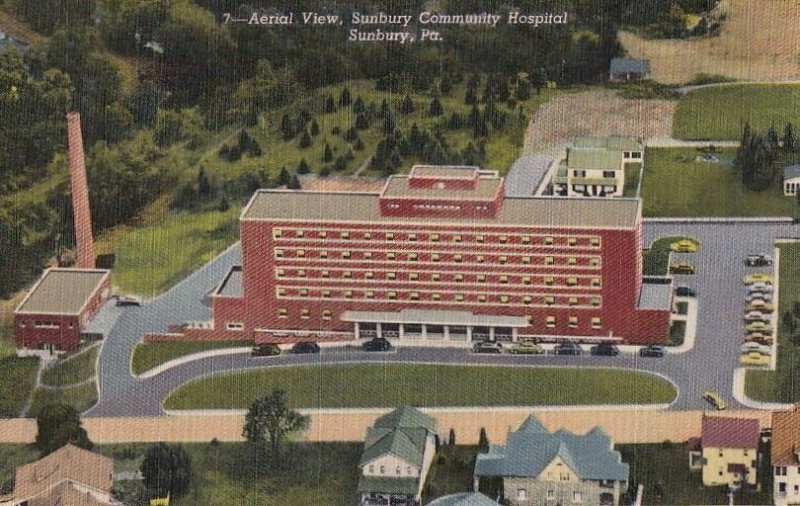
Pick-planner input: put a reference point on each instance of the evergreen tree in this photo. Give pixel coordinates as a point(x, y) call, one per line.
point(344, 97)
point(167, 470)
point(483, 441)
point(789, 141)
point(314, 129)
point(294, 183)
point(456, 121)
point(362, 123)
point(385, 110)
point(539, 80)
point(451, 440)
point(436, 108)
point(358, 106)
point(351, 135)
point(325, 172)
point(407, 105)
point(388, 123)
point(327, 154)
point(359, 145)
point(283, 177)
point(303, 167)
point(474, 117)
point(446, 86)
point(305, 139)
point(471, 98)
point(58, 425)
point(330, 104)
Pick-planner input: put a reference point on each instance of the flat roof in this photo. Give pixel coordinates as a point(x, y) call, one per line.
point(656, 294)
point(593, 158)
point(62, 291)
point(400, 187)
point(433, 317)
point(526, 174)
point(615, 142)
point(328, 207)
point(444, 171)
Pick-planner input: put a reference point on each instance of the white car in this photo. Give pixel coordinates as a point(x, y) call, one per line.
point(753, 346)
point(756, 316)
point(759, 287)
point(765, 296)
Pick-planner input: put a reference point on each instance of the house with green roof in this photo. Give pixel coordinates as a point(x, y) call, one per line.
point(595, 166)
point(398, 453)
point(538, 467)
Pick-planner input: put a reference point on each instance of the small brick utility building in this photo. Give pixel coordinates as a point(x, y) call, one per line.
point(59, 306)
point(440, 255)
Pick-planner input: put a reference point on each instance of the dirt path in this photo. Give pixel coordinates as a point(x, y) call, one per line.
point(596, 112)
point(760, 40)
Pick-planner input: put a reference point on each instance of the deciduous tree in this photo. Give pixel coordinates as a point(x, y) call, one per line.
point(270, 420)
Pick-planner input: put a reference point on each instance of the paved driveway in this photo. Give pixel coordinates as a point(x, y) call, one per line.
point(710, 364)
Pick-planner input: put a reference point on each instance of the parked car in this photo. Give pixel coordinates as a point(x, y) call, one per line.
point(526, 348)
point(487, 347)
point(757, 347)
point(128, 300)
point(761, 306)
point(265, 350)
point(758, 261)
point(652, 350)
point(684, 246)
point(682, 268)
point(377, 344)
point(763, 327)
point(758, 277)
point(754, 358)
point(715, 399)
point(305, 347)
point(759, 287)
point(759, 337)
point(763, 296)
point(567, 348)
point(605, 350)
point(756, 316)
point(685, 291)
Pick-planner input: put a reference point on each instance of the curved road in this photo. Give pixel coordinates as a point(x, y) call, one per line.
point(710, 364)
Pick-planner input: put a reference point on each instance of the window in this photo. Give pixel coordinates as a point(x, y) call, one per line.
point(436, 276)
point(369, 275)
point(573, 322)
point(596, 282)
point(572, 281)
point(579, 173)
point(482, 297)
point(413, 256)
point(436, 296)
point(549, 280)
point(572, 261)
point(367, 236)
point(301, 253)
point(345, 254)
point(459, 297)
point(435, 257)
point(383, 469)
point(503, 259)
point(304, 292)
point(345, 235)
point(596, 322)
point(551, 494)
point(780, 471)
point(301, 273)
point(457, 238)
point(325, 274)
point(480, 238)
point(577, 497)
point(280, 273)
point(522, 494)
point(526, 239)
point(348, 294)
point(397, 470)
point(391, 275)
point(414, 296)
point(235, 326)
point(550, 321)
point(412, 237)
point(326, 294)
point(371, 469)
point(526, 280)
point(594, 241)
point(391, 255)
point(609, 173)
point(504, 279)
point(595, 261)
point(369, 294)
point(283, 312)
point(326, 314)
point(549, 260)
point(347, 274)
point(459, 277)
point(548, 241)
point(595, 301)
point(367, 255)
point(573, 301)
point(281, 291)
point(391, 295)
point(323, 234)
point(389, 236)
point(480, 259)
point(572, 241)
point(504, 299)
point(323, 254)
point(526, 260)
point(549, 300)
point(481, 278)
point(527, 299)
point(277, 233)
point(408, 470)
point(503, 239)
point(279, 253)
point(414, 276)
point(458, 258)
point(435, 237)
point(300, 233)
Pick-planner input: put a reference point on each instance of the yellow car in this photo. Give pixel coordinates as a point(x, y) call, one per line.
point(684, 246)
point(754, 358)
point(682, 268)
point(761, 306)
point(715, 399)
point(758, 277)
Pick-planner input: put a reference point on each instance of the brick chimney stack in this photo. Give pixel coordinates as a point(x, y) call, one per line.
point(84, 240)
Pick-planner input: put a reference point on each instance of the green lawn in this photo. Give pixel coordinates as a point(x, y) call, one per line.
point(718, 113)
point(81, 397)
point(682, 308)
point(11, 457)
point(451, 471)
point(783, 384)
point(351, 386)
point(71, 369)
point(675, 184)
point(17, 378)
point(664, 471)
point(677, 332)
point(149, 355)
point(655, 259)
point(632, 172)
point(151, 259)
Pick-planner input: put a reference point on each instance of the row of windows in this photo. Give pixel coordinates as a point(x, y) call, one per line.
point(547, 240)
point(457, 277)
point(451, 257)
point(538, 299)
point(409, 470)
point(43, 325)
point(550, 321)
point(606, 173)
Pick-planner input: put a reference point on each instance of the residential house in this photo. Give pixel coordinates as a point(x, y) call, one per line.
point(7, 40)
point(791, 180)
point(727, 451)
point(463, 499)
point(593, 172)
point(542, 468)
point(69, 476)
point(631, 148)
point(398, 453)
point(785, 456)
point(628, 69)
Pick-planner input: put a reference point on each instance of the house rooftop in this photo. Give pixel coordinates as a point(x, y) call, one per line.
point(463, 499)
point(592, 158)
point(486, 188)
point(729, 432)
point(629, 66)
point(232, 285)
point(656, 293)
point(67, 464)
point(526, 175)
point(330, 207)
point(612, 142)
point(786, 437)
point(791, 172)
point(63, 291)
